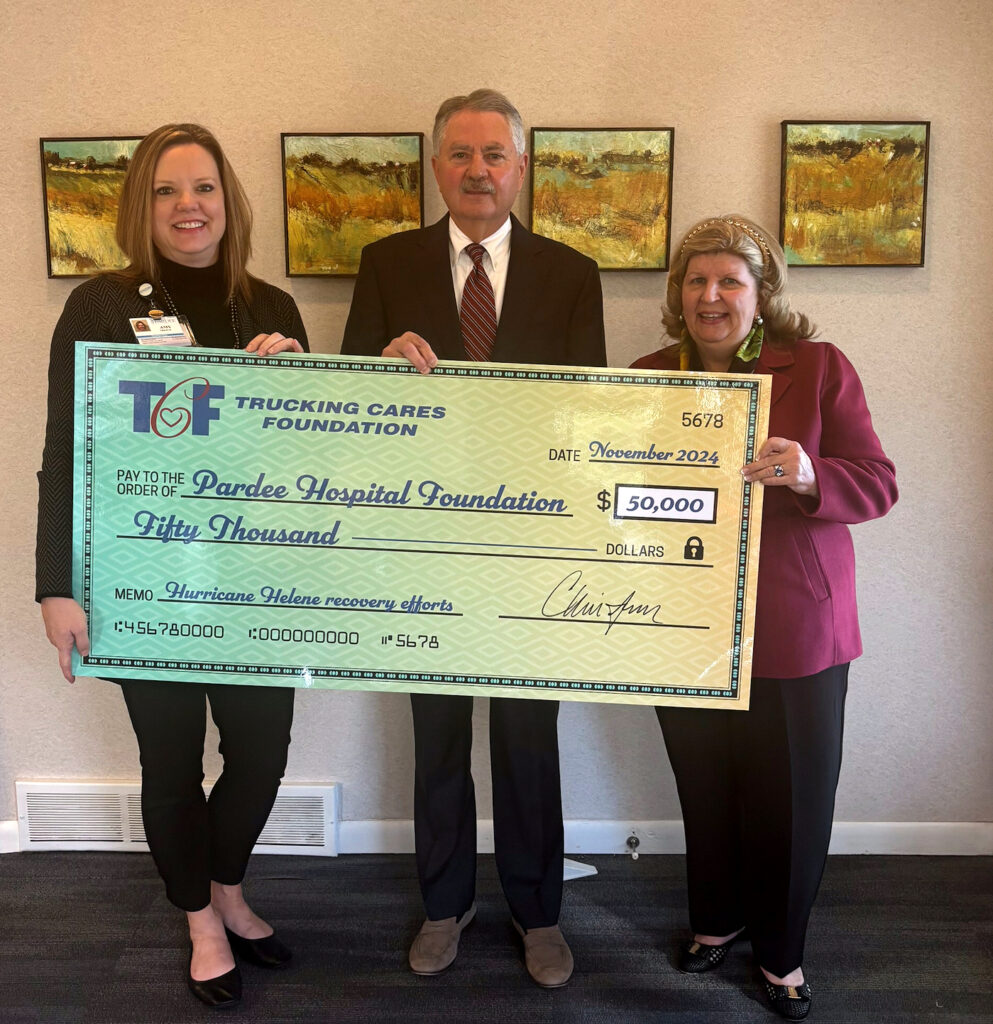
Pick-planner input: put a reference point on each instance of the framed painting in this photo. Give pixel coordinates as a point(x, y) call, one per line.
point(81, 183)
point(342, 191)
point(854, 193)
point(606, 192)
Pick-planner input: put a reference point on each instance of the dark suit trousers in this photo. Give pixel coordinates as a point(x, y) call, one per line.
point(527, 805)
point(194, 840)
point(757, 792)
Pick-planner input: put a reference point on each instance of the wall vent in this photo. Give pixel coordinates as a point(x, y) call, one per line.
point(107, 816)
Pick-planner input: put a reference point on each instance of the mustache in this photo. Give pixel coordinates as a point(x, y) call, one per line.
point(477, 186)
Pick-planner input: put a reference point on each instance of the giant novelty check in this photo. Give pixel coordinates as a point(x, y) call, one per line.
point(332, 522)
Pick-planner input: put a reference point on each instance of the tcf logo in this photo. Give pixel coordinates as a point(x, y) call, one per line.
point(184, 405)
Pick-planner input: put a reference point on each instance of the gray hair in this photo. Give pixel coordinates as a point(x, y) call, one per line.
point(483, 100)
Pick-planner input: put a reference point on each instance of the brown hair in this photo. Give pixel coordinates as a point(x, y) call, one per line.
point(485, 100)
point(741, 237)
point(134, 214)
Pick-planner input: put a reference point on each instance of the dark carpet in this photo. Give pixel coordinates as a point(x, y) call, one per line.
point(90, 937)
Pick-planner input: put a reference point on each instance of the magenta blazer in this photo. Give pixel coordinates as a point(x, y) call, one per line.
point(806, 618)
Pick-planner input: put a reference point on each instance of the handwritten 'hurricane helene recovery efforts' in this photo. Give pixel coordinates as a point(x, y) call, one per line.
point(177, 590)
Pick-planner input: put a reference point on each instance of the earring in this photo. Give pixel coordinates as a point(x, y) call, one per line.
point(758, 320)
point(680, 317)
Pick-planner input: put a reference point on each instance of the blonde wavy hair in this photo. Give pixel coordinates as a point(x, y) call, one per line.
point(134, 213)
point(741, 237)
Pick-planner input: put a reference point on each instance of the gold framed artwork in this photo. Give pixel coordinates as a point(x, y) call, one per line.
point(606, 192)
point(854, 193)
point(342, 191)
point(81, 184)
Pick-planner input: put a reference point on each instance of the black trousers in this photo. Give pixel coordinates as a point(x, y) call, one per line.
point(757, 792)
point(194, 840)
point(527, 805)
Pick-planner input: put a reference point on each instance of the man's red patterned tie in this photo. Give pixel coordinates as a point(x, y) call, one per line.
point(478, 312)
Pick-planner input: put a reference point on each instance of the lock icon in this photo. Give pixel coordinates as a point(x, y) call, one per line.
point(693, 549)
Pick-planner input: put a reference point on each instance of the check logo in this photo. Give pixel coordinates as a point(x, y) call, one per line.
point(189, 406)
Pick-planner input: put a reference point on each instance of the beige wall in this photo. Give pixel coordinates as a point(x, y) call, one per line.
point(724, 73)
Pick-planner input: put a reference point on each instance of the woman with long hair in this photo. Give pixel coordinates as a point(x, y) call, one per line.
point(185, 224)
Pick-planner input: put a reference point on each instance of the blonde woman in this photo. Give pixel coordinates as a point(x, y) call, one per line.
point(757, 788)
point(185, 224)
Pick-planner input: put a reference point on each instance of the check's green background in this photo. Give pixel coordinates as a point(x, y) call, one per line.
point(499, 425)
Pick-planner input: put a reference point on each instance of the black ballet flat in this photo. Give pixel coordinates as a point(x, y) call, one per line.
point(697, 957)
point(268, 952)
point(219, 992)
point(789, 1001)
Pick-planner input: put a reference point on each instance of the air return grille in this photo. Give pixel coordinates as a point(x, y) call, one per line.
point(107, 816)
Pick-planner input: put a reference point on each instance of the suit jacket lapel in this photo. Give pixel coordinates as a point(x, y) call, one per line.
point(435, 292)
point(522, 291)
point(776, 361)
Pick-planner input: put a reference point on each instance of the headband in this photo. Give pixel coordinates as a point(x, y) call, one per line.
point(750, 231)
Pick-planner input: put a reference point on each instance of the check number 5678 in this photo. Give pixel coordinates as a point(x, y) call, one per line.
point(674, 504)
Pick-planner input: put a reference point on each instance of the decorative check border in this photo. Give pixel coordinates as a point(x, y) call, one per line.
point(95, 353)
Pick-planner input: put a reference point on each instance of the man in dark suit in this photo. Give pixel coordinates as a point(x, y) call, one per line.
point(478, 285)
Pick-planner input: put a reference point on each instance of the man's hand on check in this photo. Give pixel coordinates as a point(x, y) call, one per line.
point(414, 349)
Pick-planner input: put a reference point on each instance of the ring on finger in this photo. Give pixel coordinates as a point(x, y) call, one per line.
point(778, 470)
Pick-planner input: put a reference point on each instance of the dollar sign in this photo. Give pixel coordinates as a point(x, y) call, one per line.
point(603, 500)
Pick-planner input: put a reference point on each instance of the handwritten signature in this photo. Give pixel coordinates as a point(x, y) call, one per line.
point(570, 598)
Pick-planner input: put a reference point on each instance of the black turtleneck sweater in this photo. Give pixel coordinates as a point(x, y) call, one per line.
point(100, 309)
point(199, 294)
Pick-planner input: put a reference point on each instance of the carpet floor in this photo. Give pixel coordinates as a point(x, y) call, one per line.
point(91, 938)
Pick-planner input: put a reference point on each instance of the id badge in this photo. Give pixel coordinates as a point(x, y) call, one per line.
point(166, 330)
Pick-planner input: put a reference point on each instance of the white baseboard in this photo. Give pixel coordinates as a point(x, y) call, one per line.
point(945, 838)
point(376, 836)
point(8, 837)
point(948, 838)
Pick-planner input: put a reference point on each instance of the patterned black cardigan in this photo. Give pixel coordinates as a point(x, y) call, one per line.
point(99, 310)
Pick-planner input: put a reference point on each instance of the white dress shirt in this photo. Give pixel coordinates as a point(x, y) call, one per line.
point(496, 260)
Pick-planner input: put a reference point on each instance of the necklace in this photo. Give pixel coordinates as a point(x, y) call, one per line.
point(232, 307)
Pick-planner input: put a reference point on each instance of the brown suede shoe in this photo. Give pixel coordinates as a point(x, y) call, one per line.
point(546, 955)
point(437, 943)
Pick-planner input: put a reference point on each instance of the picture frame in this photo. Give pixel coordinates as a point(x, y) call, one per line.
point(606, 192)
point(854, 193)
point(343, 190)
point(81, 179)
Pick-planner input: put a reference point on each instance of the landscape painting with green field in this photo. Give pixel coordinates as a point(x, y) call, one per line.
point(344, 191)
point(82, 182)
point(854, 193)
point(606, 192)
